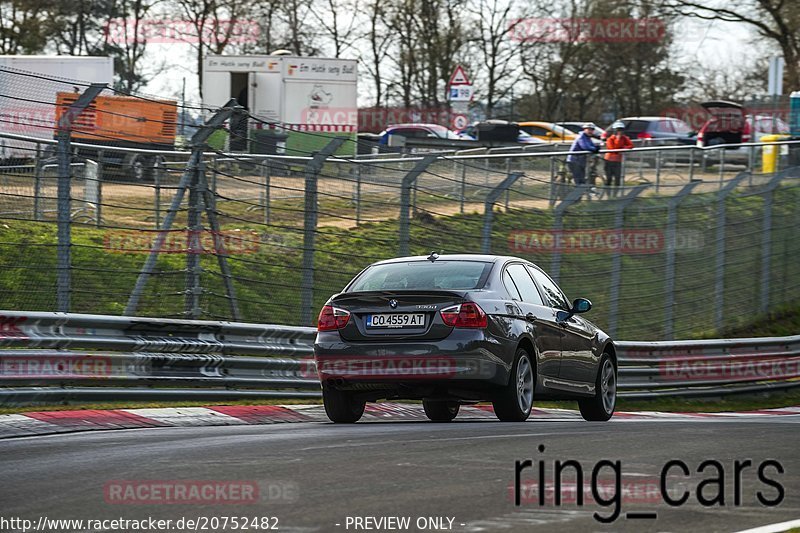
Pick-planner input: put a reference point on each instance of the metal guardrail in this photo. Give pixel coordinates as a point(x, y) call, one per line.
point(60, 356)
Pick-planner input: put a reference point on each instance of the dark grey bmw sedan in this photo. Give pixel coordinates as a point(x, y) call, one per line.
point(461, 329)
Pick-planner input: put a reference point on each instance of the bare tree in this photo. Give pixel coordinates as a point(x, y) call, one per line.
point(498, 52)
point(338, 20)
point(21, 26)
point(214, 24)
point(777, 20)
point(380, 44)
point(127, 43)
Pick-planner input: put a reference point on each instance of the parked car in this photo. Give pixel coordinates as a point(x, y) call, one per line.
point(729, 123)
point(657, 130)
point(548, 131)
point(418, 131)
point(460, 329)
point(495, 131)
point(577, 127)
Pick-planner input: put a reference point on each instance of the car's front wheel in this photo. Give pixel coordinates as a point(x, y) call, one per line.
point(341, 407)
point(514, 402)
point(601, 407)
point(440, 411)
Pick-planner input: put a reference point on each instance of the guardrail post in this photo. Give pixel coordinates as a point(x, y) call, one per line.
point(558, 223)
point(766, 240)
point(719, 282)
point(488, 209)
point(616, 260)
point(63, 249)
point(312, 170)
point(691, 163)
point(669, 274)
point(721, 166)
point(409, 181)
point(198, 145)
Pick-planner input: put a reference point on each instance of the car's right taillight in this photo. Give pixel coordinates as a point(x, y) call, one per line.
point(332, 318)
point(746, 132)
point(466, 315)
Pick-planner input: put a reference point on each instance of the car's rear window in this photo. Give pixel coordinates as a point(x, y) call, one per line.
point(423, 275)
point(635, 126)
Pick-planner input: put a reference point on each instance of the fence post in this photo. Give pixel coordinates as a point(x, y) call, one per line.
point(37, 182)
point(312, 170)
point(193, 245)
point(658, 171)
point(198, 144)
point(616, 260)
point(766, 240)
point(558, 222)
point(463, 186)
point(266, 168)
point(63, 249)
point(409, 180)
point(669, 275)
point(488, 209)
point(100, 168)
point(719, 282)
point(357, 170)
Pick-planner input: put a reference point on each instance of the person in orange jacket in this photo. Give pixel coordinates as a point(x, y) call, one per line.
point(613, 160)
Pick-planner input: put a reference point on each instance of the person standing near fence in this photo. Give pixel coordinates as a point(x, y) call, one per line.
point(577, 161)
point(613, 160)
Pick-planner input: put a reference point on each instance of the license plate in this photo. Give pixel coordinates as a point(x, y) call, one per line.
point(396, 320)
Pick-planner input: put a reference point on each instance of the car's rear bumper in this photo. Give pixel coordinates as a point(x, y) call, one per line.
point(468, 357)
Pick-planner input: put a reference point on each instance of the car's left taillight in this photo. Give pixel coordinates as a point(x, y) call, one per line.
point(466, 315)
point(332, 318)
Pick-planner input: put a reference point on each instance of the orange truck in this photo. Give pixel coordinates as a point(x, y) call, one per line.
point(127, 122)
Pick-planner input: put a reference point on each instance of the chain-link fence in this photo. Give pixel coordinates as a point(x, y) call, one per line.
point(96, 217)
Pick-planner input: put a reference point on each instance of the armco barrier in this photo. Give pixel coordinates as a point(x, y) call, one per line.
point(52, 357)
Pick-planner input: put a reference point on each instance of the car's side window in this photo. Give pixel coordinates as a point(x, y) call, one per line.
point(550, 290)
point(523, 282)
point(510, 287)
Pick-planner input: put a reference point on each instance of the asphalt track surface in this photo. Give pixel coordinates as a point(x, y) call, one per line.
point(313, 476)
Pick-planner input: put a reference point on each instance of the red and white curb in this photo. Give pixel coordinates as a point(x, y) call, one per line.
point(49, 422)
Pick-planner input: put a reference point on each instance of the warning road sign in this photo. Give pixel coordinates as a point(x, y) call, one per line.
point(459, 77)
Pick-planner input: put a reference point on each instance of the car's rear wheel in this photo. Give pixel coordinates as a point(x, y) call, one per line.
point(601, 407)
point(341, 407)
point(440, 411)
point(514, 402)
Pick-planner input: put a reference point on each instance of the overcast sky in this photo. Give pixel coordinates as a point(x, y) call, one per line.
point(711, 44)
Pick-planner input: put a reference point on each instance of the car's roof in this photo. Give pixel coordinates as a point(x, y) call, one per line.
point(452, 257)
point(536, 123)
point(649, 118)
point(414, 125)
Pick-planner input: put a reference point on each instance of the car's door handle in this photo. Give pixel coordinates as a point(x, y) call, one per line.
point(530, 317)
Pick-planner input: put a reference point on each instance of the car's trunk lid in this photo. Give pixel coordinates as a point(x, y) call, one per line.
point(396, 314)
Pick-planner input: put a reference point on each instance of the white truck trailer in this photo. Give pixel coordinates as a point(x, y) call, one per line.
point(300, 101)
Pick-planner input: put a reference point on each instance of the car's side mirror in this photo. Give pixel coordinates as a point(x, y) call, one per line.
point(580, 305)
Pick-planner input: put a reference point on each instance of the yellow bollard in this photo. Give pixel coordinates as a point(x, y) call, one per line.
point(769, 153)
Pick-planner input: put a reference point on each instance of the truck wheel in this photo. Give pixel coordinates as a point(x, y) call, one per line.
point(135, 165)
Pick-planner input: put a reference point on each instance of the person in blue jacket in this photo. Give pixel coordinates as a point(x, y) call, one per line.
point(577, 161)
